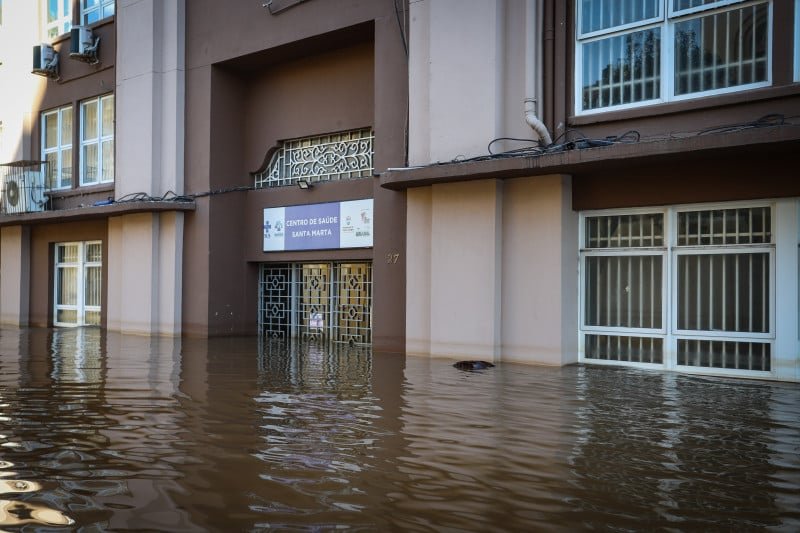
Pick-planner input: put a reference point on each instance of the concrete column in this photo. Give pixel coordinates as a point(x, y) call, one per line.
point(466, 246)
point(787, 291)
point(540, 271)
point(418, 271)
point(15, 254)
point(144, 273)
point(150, 96)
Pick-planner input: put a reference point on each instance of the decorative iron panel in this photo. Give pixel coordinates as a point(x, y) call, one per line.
point(338, 156)
point(725, 354)
point(624, 348)
point(317, 302)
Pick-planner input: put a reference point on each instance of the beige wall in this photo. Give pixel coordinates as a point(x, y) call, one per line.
point(492, 271)
point(150, 97)
point(145, 255)
point(540, 271)
point(466, 77)
point(15, 253)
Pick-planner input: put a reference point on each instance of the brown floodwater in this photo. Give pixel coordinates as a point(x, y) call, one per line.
point(100, 431)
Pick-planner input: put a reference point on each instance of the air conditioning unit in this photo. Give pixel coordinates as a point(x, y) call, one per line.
point(23, 193)
point(83, 44)
point(45, 61)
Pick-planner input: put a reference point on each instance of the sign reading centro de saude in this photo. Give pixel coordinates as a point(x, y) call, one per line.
point(326, 226)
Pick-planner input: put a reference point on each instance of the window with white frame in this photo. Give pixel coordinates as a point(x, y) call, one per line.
point(637, 52)
point(57, 147)
point(94, 10)
point(78, 283)
point(97, 140)
point(58, 17)
point(680, 288)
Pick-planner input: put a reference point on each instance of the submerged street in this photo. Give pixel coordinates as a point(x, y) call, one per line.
point(106, 431)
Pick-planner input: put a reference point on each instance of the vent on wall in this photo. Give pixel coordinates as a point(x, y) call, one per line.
point(45, 61)
point(83, 45)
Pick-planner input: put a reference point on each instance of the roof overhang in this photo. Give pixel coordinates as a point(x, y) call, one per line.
point(96, 212)
point(752, 142)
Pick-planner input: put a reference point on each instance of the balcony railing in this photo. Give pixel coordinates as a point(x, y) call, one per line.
point(22, 187)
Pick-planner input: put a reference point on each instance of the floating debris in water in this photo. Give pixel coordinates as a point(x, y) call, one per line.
point(473, 365)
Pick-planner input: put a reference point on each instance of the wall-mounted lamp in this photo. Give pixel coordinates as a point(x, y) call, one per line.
point(304, 184)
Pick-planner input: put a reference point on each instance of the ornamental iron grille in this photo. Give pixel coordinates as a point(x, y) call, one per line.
point(337, 156)
point(317, 302)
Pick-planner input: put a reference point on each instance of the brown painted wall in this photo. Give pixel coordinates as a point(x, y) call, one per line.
point(42, 260)
point(78, 81)
point(317, 68)
point(746, 177)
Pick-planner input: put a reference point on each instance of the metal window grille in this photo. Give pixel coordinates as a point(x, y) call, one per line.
point(338, 156)
point(624, 348)
point(317, 302)
point(722, 50)
point(623, 291)
point(724, 354)
point(724, 292)
point(599, 15)
point(707, 46)
point(751, 225)
point(624, 231)
point(622, 69)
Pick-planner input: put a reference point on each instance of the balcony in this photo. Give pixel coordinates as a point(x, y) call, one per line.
point(22, 187)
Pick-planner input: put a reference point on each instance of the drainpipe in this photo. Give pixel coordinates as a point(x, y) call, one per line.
point(533, 69)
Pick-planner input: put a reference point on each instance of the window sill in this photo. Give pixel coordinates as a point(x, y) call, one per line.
point(702, 103)
point(80, 191)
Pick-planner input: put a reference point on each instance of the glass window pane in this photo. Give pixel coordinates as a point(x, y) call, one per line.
point(602, 14)
point(90, 3)
point(623, 291)
point(108, 10)
point(680, 5)
point(624, 231)
point(67, 253)
point(108, 115)
point(91, 318)
point(66, 167)
point(52, 10)
point(94, 252)
point(52, 170)
point(92, 286)
point(66, 126)
point(622, 348)
point(67, 280)
point(722, 50)
point(90, 163)
point(91, 16)
point(724, 292)
point(89, 120)
point(51, 130)
point(623, 69)
point(67, 316)
point(108, 160)
point(724, 354)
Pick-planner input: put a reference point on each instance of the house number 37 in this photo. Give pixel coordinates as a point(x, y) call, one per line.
point(392, 258)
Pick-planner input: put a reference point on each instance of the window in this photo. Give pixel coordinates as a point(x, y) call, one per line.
point(57, 147)
point(97, 140)
point(94, 10)
point(636, 52)
point(797, 40)
point(690, 288)
point(78, 283)
point(58, 19)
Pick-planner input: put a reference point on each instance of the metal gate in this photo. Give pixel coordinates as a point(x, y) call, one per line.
point(316, 302)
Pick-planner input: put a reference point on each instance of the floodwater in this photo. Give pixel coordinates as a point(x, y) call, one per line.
point(107, 432)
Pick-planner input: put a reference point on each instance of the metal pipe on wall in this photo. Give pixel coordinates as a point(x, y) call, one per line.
point(533, 69)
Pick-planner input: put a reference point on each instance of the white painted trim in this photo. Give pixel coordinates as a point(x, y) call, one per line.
point(99, 139)
point(60, 144)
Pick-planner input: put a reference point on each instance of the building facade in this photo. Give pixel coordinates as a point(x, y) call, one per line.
point(658, 227)
point(159, 153)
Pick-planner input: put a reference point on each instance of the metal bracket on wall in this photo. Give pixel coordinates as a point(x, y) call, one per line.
point(276, 6)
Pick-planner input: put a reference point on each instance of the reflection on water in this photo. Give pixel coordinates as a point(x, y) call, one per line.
point(108, 432)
